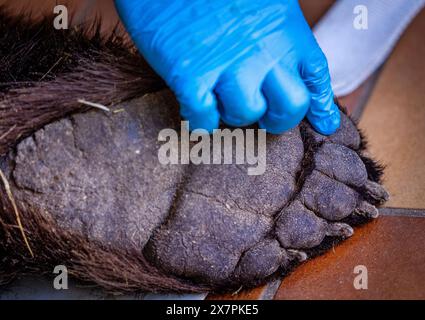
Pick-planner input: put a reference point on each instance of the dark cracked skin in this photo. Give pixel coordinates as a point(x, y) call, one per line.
point(98, 174)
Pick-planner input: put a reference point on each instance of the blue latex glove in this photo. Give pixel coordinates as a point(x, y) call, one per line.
point(239, 60)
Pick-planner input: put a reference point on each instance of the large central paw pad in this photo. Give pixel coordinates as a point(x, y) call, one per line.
point(99, 175)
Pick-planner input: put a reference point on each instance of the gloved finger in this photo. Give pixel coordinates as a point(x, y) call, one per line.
point(239, 93)
point(323, 113)
point(287, 98)
point(198, 105)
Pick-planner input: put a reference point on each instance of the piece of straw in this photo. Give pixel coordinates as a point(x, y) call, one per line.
point(94, 105)
point(15, 208)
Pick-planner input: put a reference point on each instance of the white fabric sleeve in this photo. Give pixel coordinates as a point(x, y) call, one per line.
point(354, 54)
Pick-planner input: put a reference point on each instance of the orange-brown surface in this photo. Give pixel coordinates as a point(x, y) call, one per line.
point(394, 119)
point(391, 248)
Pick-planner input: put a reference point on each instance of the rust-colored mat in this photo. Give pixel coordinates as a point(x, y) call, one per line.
point(394, 119)
point(393, 257)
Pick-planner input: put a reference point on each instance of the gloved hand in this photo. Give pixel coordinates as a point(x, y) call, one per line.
point(241, 60)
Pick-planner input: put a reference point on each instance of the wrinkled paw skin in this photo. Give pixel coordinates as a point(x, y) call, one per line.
point(99, 175)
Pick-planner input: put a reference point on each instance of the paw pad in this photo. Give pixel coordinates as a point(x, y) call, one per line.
point(211, 224)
